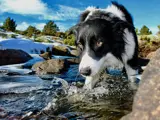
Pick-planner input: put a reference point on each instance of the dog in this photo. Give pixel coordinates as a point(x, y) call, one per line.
point(106, 37)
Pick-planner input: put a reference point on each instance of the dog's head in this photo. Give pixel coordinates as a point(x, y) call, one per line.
point(93, 39)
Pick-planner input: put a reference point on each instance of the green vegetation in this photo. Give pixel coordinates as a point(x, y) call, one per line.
point(42, 40)
point(50, 28)
point(158, 33)
point(145, 30)
point(3, 35)
point(137, 31)
point(69, 40)
point(30, 31)
point(13, 35)
point(9, 25)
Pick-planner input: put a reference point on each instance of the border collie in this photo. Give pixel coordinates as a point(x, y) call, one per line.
point(106, 37)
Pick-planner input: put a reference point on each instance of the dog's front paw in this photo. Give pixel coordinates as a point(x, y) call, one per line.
point(88, 86)
point(90, 83)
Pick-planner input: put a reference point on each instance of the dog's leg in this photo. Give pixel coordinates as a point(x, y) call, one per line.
point(91, 81)
point(132, 75)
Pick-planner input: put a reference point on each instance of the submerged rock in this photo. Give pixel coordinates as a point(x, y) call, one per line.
point(110, 99)
point(146, 104)
point(53, 66)
point(12, 56)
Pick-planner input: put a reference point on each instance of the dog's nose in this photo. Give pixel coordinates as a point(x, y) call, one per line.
point(85, 71)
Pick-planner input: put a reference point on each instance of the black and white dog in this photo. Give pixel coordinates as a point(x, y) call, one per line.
point(106, 37)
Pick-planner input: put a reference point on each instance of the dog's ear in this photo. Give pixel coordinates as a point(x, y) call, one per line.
point(74, 30)
point(118, 27)
point(84, 15)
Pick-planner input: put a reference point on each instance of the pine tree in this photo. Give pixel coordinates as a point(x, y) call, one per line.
point(50, 28)
point(9, 25)
point(31, 31)
point(145, 31)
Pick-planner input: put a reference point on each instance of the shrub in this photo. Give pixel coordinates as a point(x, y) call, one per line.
point(13, 36)
point(145, 38)
point(3, 35)
point(70, 40)
point(30, 31)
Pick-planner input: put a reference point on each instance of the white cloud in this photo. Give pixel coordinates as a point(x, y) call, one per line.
point(38, 7)
point(1, 23)
point(39, 26)
point(25, 7)
point(64, 26)
point(24, 25)
point(154, 29)
point(66, 12)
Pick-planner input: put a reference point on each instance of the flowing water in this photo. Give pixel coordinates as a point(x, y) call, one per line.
point(22, 93)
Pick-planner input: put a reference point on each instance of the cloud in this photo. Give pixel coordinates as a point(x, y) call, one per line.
point(39, 26)
point(66, 12)
point(1, 23)
point(64, 26)
point(24, 25)
point(154, 29)
point(25, 7)
point(38, 7)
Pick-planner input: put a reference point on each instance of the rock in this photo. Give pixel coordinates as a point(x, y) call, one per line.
point(146, 104)
point(150, 55)
point(72, 61)
point(3, 114)
point(53, 66)
point(12, 56)
point(46, 55)
point(110, 99)
point(75, 52)
point(60, 50)
point(145, 48)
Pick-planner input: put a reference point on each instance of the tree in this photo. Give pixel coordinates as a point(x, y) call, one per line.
point(137, 31)
point(31, 31)
point(158, 27)
point(50, 28)
point(158, 33)
point(9, 25)
point(145, 31)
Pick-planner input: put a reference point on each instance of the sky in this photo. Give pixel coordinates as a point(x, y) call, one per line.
point(65, 13)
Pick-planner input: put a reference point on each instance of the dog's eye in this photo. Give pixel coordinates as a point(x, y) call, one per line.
point(99, 43)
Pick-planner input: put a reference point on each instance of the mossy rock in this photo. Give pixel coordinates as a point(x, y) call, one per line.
point(61, 50)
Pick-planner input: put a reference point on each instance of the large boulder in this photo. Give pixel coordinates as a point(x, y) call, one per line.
point(12, 56)
point(53, 66)
point(146, 104)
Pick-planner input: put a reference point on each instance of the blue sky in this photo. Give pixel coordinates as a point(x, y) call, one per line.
point(65, 13)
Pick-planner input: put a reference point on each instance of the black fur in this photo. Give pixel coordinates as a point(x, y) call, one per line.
point(84, 15)
point(124, 10)
point(106, 28)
